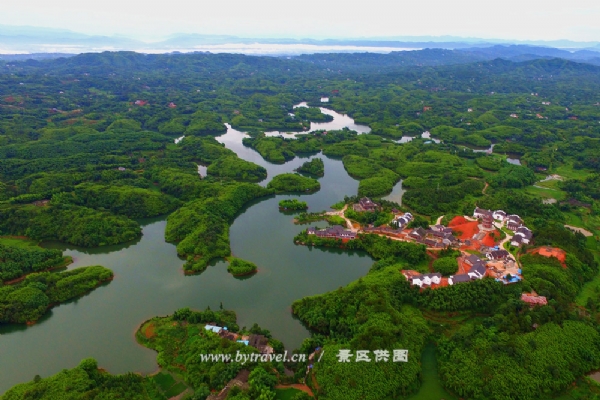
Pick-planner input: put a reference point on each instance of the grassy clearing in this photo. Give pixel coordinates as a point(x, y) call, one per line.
point(569, 172)
point(546, 193)
point(551, 184)
point(584, 220)
point(23, 243)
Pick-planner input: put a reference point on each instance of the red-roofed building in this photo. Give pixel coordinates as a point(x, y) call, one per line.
point(534, 300)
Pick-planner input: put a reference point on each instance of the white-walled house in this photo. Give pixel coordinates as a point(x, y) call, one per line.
point(499, 215)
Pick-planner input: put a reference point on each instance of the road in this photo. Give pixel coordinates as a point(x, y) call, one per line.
point(340, 213)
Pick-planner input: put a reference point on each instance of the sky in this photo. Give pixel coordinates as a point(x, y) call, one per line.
point(577, 20)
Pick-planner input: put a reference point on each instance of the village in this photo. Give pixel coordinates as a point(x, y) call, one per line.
point(477, 237)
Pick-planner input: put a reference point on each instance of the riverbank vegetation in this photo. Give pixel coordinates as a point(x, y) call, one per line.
point(84, 381)
point(67, 223)
point(18, 261)
point(29, 299)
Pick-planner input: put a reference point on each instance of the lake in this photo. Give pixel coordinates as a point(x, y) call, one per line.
point(149, 281)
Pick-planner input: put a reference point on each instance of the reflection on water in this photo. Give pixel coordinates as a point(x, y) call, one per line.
point(424, 135)
point(340, 121)
point(397, 193)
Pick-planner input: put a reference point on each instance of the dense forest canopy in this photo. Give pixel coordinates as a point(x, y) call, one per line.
point(91, 143)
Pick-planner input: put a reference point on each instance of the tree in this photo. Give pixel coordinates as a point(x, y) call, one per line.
point(418, 222)
point(445, 265)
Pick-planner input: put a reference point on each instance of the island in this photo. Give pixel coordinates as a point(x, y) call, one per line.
point(290, 183)
point(292, 205)
point(314, 167)
point(239, 267)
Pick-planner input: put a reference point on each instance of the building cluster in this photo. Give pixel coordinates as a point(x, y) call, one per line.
point(422, 280)
point(259, 342)
point(402, 221)
point(513, 222)
point(334, 232)
point(365, 204)
point(477, 271)
point(437, 236)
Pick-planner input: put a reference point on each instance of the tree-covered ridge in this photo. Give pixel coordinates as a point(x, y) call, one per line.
point(121, 200)
point(202, 226)
point(18, 261)
point(237, 169)
point(72, 224)
point(366, 315)
point(289, 183)
point(483, 362)
point(29, 299)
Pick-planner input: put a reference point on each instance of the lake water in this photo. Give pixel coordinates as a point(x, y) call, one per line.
point(149, 281)
point(340, 121)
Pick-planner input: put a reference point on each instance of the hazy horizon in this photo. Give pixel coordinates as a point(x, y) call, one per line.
point(509, 20)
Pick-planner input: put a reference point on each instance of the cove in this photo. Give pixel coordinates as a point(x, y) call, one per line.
point(149, 282)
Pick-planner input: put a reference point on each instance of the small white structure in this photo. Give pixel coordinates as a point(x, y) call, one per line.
point(403, 220)
point(499, 215)
point(425, 279)
point(416, 280)
point(213, 328)
point(324, 99)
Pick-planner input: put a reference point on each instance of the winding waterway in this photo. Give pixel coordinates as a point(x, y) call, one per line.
point(149, 281)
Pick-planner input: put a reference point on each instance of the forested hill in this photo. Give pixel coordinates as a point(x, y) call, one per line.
point(165, 64)
point(373, 63)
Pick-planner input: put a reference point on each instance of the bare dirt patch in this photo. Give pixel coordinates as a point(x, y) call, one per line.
point(149, 331)
point(555, 252)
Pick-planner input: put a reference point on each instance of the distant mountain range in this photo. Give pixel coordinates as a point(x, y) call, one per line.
point(22, 42)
